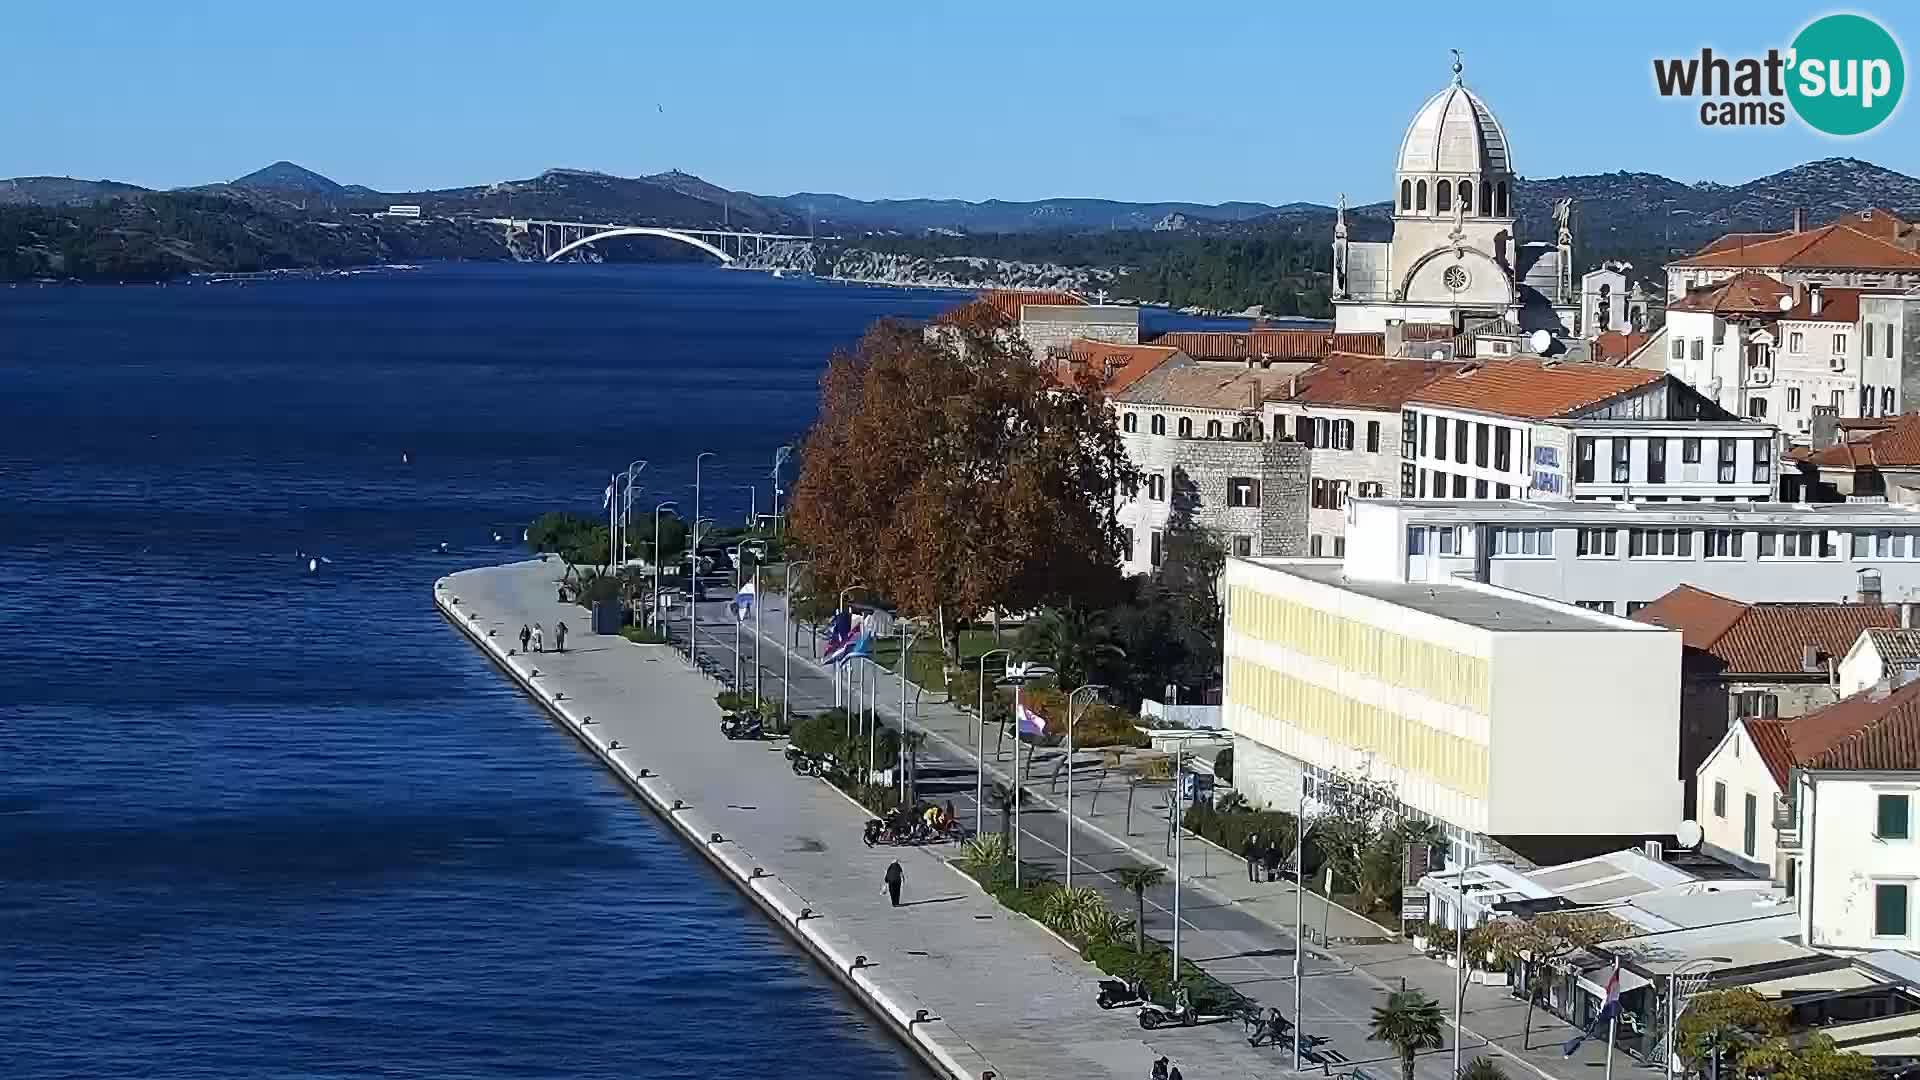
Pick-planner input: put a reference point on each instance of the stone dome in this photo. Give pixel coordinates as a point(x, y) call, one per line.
point(1455, 133)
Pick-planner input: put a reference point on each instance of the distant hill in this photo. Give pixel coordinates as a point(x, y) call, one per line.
point(61, 191)
point(284, 177)
point(999, 216)
point(667, 199)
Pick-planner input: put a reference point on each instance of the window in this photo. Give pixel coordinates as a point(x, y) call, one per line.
point(1439, 438)
point(1757, 408)
point(1839, 400)
point(1866, 401)
point(1466, 196)
point(1420, 195)
point(1796, 544)
point(1480, 438)
point(1460, 441)
point(1339, 547)
point(1885, 545)
point(1698, 350)
point(1886, 401)
point(1213, 429)
point(1503, 449)
point(1502, 491)
point(1597, 541)
point(1443, 196)
point(1159, 425)
point(1622, 460)
point(1406, 194)
point(1719, 798)
point(1449, 539)
point(1895, 818)
point(1322, 432)
point(1656, 461)
point(1793, 399)
point(1839, 344)
point(1888, 337)
point(1866, 338)
point(1605, 607)
point(1373, 436)
point(1459, 486)
point(1243, 491)
point(1723, 543)
point(1243, 546)
point(1153, 555)
point(1633, 606)
point(1750, 825)
point(1439, 484)
point(1416, 540)
point(1407, 474)
point(1157, 488)
point(1343, 434)
point(1186, 427)
point(1130, 422)
point(1372, 489)
point(1690, 451)
point(1755, 703)
point(1313, 546)
point(1763, 461)
point(1728, 456)
point(1889, 909)
point(1796, 342)
point(1583, 464)
point(1508, 541)
point(1500, 200)
point(1659, 543)
point(1413, 430)
point(1679, 350)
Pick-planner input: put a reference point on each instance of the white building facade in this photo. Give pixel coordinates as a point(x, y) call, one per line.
point(1737, 795)
point(1850, 833)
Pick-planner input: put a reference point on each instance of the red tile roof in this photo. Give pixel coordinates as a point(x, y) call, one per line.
point(1838, 305)
point(1762, 639)
point(1896, 447)
point(1533, 390)
point(1874, 729)
point(1614, 346)
point(1746, 293)
point(1008, 302)
point(1770, 741)
point(1270, 344)
point(1362, 382)
point(1115, 367)
point(1838, 245)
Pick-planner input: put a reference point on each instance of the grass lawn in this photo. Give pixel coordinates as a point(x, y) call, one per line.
point(925, 665)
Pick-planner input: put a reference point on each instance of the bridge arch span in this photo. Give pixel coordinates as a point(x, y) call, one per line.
point(637, 230)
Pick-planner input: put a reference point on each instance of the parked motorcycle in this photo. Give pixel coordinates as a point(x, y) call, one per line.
point(737, 726)
point(1181, 1012)
point(1121, 993)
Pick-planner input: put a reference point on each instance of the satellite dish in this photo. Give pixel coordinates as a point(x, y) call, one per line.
point(1688, 834)
point(1437, 354)
point(1786, 302)
point(1541, 341)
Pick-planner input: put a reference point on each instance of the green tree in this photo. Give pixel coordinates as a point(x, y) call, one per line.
point(1723, 1024)
point(1482, 1068)
point(1410, 1022)
point(1815, 1058)
point(1540, 941)
point(1138, 879)
point(1076, 643)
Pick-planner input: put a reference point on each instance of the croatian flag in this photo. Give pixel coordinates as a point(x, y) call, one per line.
point(1032, 723)
point(854, 645)
point(1605, 1016)
point(743, 601)
point(606, 500)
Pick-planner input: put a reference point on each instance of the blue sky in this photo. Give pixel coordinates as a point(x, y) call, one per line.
point(1267, 101)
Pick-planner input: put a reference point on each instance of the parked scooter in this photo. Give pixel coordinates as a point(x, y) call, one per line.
point(741, 726)
point(1181, 1012)
point(1121, 993)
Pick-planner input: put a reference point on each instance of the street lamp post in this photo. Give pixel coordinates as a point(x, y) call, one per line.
point(658, 620)
point(786, 654)
point(1095, 687)
point(907, 637)
point(1017, 676)
point(779, 458)
point(693, 597)
point(1179, 848)
point(753, 503)
point(980, 746)
point(757, 667)
point(1301, 828)
point(634, 468)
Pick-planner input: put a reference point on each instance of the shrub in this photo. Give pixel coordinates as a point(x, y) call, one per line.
point(643, 635)
point(1223, 765)
point(1230, 828)
point(1094, 725)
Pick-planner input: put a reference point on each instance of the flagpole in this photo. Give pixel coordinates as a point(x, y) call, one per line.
point(756, 634)
point(1613, 1024)
point(1018, 780)
point(1459, 959)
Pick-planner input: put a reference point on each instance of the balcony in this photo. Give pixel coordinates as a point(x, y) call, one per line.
point(1786, 824)
point(1759, 376)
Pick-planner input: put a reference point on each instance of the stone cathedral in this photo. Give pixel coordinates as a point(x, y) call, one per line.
point(1455, 258)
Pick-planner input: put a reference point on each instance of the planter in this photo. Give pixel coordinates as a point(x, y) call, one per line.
point(1419, 943)
point(1491, 978)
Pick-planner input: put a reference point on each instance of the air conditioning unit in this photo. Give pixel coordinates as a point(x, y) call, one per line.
point(1656, 851)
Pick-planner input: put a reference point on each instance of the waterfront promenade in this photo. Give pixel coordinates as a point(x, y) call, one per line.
point(999, 992)
point(1236, 930)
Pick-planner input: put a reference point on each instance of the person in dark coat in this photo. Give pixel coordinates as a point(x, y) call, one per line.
point(1250, 851)
point(1159, 1069)
point(1273, 862)
point(895, 876)
point(560, 636)
point(526, 635)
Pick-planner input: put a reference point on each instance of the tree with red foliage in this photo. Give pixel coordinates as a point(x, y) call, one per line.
point(954, 476)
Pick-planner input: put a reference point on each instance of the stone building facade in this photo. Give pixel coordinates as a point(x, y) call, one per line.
point(1050, 329)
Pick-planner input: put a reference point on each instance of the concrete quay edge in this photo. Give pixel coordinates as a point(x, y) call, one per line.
point(950, 1055)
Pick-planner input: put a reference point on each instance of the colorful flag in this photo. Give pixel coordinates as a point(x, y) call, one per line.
point(607, 499)
point(854, 644)
point(1608, 1007)
point(1032, 723)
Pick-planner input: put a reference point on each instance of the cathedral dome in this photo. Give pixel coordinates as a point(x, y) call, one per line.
point(1455, 132)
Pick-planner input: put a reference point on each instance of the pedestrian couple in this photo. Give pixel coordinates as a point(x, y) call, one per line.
point(1262, 856)
point(1164, 1070)
point(537, 635)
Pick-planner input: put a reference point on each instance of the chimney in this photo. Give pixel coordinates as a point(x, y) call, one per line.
point(1253, 395)
point(1799, 219)
point(1814, 293)
point(1810, 658)
point(1907, 614)
point(1870, 586)
point(1293, 385)
point(1799, 293)
point(1395, 336)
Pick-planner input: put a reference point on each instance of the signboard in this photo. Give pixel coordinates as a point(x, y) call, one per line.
point(1419, 863)
point(1546, 470)
point(1196, 786)
point(1413, 905)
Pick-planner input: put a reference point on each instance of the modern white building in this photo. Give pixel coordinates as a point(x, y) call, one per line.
point(1618, 557)
point(1529, 430)
point(1456, 694)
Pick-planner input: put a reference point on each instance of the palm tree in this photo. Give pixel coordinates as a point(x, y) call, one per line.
point(1412, 1022)
point(1077, 643)
point(1481, 1068)
point(1140, 879)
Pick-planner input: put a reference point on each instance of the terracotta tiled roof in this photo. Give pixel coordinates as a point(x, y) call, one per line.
point(1880, 223)
point(1899, 647)
point(1362, 382)
point(1747, 293)
point(1008, 302)
point(1270, 344)
point(1770, 741)
point(1762, 639)
point(1836, 305)
point(1837, 245)
point(1533, 390)
point(1734, 240)
point(1873, 729)
point(1896, 447)
point(1196, 387)
point(1614, 347)
point(1116, 366)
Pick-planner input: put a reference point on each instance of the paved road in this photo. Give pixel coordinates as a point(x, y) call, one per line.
point(1237, 931)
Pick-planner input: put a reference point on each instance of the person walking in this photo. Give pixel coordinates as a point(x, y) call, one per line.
point(1273, 861)
point(538, 634)
point(526, 635)
point(1250, 851)
point(895, 876)
point(1159, 1070)
point(560, 637)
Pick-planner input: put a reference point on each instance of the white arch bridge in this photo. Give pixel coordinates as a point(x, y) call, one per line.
point(555, 240)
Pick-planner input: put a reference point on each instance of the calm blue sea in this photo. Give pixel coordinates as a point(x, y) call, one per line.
point(256, 823)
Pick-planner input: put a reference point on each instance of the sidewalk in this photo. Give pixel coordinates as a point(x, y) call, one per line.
point(1246, 936)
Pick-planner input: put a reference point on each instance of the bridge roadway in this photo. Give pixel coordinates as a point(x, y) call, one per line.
point(1002, 993)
